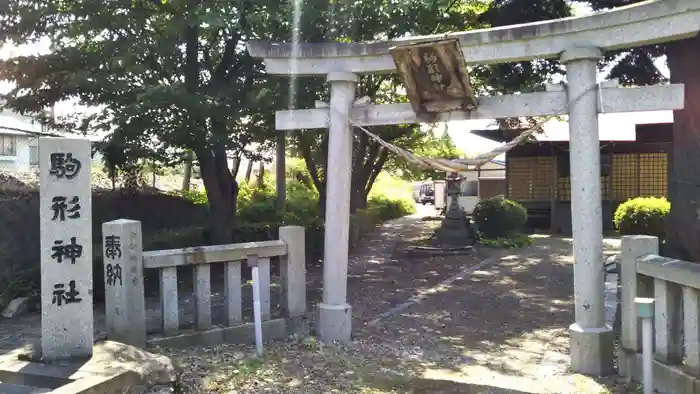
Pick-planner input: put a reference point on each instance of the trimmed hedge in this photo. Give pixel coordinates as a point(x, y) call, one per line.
point(642, 216)
point(498, 217)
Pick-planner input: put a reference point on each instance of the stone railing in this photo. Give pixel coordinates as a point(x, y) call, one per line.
point(126, 311)
point(675, 286)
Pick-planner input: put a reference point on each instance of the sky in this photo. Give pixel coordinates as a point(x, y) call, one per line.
point(618, 126)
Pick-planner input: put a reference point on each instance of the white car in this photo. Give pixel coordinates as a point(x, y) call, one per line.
point(424, 193)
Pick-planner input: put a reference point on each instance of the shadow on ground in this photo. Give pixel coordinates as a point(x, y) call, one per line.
point(421, 385)
point(498, 328)
point(506, 321)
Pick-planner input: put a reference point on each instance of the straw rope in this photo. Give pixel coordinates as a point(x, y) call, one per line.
point(460, 165)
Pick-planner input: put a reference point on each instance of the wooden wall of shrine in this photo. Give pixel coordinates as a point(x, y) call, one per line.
point(538, 175)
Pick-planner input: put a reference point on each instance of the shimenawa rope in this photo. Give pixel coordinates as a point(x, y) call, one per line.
point(461, 165)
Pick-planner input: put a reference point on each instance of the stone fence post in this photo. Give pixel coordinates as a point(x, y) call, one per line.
point(633, 247)
point(125, 304)
point(293, 275)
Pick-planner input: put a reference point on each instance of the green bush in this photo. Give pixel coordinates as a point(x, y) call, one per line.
point(497, 217)
point(195, 196)
point(643, 216)
point(258, 217)
point(385, 208)
point(258, 206)
point(302, 207)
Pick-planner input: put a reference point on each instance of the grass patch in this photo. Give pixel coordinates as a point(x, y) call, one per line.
point(510, 242)
point(391, 187)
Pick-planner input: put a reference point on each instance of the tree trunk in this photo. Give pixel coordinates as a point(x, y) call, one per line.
point(113, 172)
point(683, 225)
point(318, 181)
point(359, 173)
point(221, 190)
point(248, 171)
point(212, 158)
point(187, 177)
point(154, 168)
point(236, 165)
point(365, 175)
point(376, 170)
point(261, 174)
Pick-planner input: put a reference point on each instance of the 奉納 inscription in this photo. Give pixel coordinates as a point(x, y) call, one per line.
point(69, 252)
point(113, 247)
point(64, 165)
point(64, 208)
point(113, 251)
point(113, 273)
point(62, 296)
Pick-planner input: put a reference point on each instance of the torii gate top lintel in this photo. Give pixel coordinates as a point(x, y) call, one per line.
point(650, 22)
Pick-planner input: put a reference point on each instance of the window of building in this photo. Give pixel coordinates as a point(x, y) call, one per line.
point(33, 155)
point(470, 188)
point(8, 145)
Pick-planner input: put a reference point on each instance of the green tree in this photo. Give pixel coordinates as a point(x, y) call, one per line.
point(520, 77)
point(165, 75)
point(370, 20)
point(426, 144)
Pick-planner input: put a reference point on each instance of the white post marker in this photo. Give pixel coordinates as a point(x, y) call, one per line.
point(645, 311)
point(257, 310)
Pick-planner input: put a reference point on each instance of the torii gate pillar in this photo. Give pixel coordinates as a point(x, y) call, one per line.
point(591, 338)
point(334, 313)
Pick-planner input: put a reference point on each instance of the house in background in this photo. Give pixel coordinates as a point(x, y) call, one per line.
point(487, 181)
point(19, 141)
point(538, 173)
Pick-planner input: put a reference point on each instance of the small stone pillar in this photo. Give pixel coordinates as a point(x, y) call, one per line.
point(591, 338)
point(632, 248)
point(293, 270)
point(65, 203)
point(125, 303)
point(334, 312)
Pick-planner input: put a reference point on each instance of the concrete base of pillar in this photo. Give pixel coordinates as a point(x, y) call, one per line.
point(591, 350)
point(334, 322)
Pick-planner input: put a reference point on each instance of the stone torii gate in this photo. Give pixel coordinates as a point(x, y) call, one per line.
point(579, 43)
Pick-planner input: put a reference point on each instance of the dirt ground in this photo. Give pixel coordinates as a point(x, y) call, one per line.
point(491, 322)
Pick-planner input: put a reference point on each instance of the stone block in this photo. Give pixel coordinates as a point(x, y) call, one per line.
point(591, 350)
point(334, 323)
point(293, 270)
point(66, 248)
point(125, 304)
point(114, 368)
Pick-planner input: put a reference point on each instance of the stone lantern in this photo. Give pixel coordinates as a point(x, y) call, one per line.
point(456, 230)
